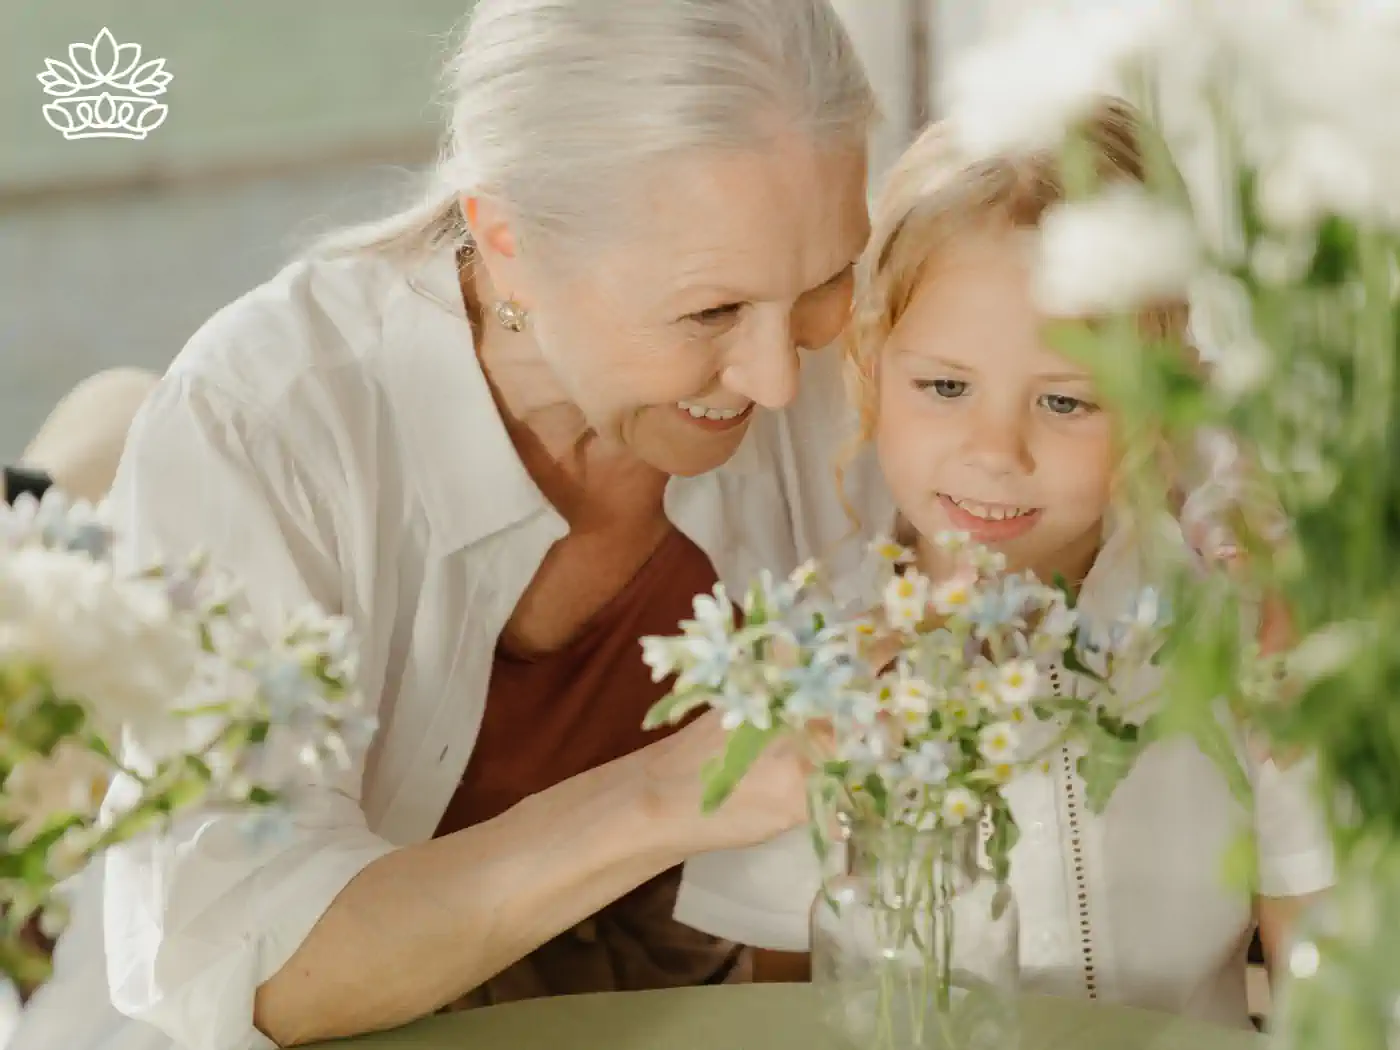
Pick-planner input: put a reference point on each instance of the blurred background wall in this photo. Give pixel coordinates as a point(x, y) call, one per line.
point(286, 116)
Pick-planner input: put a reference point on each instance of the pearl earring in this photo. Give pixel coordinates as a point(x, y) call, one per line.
point(511, 315)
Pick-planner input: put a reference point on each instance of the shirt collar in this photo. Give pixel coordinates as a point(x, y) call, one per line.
point(469, 476)
point(1124, 566)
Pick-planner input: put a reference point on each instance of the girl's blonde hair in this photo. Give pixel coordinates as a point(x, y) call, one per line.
point(937, 192)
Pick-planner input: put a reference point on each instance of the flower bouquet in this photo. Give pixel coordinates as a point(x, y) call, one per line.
point(1272, 201)
point(918, 708)
point(165, 661)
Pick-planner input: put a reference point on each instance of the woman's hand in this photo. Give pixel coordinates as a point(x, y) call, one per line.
point(770, 798)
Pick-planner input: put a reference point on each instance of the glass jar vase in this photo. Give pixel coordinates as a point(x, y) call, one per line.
point(914, 945)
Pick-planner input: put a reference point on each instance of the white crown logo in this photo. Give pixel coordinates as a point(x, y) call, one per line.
point(104, 91)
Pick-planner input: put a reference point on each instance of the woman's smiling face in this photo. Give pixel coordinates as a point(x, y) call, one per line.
point(669, 339)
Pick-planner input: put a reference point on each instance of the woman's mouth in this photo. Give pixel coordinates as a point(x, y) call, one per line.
point(710, 417)
point(996, 522)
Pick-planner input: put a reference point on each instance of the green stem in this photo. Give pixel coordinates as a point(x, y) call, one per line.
point(945, 961)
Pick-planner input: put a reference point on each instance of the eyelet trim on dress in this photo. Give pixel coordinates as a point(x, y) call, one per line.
point(1076, 846)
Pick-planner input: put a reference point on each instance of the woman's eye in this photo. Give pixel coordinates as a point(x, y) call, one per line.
point(1064, 405)
point(946, 388)
point(717, 315)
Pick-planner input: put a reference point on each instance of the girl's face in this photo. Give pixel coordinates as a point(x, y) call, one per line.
point(981, 427)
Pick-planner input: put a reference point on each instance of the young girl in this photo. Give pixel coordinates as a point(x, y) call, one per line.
point(980, 427)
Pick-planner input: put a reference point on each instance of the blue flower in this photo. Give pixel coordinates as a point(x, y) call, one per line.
point(930, 764)
point(287, 690)
point(1000, 605)
point(818, 687)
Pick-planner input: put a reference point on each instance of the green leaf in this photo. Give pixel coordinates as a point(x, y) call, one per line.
point(755, 610)
point(674, 706)
point(1075, 340)
point(1002, 840)
point(1334, 260)
point(723, 773)
point(50, 722)
point(1075, 665)
point(1106, 763)
point(1239, 864)
point(879, 797)
point(199, 767)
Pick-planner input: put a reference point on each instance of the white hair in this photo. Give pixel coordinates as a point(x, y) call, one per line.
point(558, 106)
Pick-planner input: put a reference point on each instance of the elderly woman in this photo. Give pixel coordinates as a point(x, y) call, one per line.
point(508, 432)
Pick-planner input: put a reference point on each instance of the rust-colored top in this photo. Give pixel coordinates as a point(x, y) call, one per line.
point(552, 716)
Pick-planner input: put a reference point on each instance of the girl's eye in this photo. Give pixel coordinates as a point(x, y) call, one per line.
point(1064, 405)
point(945, 388)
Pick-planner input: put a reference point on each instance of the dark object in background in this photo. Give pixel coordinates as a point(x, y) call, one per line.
point(19, 480)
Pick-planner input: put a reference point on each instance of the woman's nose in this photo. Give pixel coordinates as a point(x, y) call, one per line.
point(765, 370)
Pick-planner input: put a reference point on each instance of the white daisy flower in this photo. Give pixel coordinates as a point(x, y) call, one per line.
point(997, 743)
point(906, 600)
point(1016, 684)
point(959, 806)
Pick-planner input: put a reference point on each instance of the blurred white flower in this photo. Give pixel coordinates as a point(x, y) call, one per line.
point(987, 562)
point(665, 656)
point(911, 701)
point(1305, 83)
point(981, 684)
point(746, 697)
point(891, 553)
point(1222, 329)
point(1117, 251)
point(160, 670)
point(906, 600)
point(1056, 625)
point(1278, 262)
point(930, 763)
point(959, 806)
point(1024, 91)
point(805, 575)
point(997, 743)
point(951, 541)
point(1017, 684)
point(116, 649)
point(958, 711)
point(69, 782)
point(1320, 172)
point(714, 612)
point(71, 852)
point(954, 596)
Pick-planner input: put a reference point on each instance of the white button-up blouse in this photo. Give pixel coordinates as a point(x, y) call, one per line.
point(330, 437)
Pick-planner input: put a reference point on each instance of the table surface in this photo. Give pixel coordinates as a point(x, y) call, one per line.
point(763, 1017)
